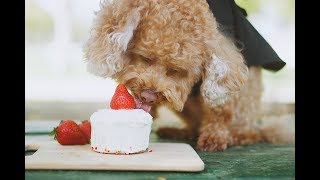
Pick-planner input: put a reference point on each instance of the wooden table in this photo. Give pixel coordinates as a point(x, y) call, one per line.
point(260, 161)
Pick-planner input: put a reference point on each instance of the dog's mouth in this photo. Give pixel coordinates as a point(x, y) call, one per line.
point(142, 105)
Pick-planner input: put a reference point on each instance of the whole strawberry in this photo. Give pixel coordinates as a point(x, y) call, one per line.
point(122, 99)
point(69, 133)
point(85, 127)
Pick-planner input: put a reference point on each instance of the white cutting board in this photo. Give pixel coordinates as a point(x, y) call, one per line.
point(164, 157)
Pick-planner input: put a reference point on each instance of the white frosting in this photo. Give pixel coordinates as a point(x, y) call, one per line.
point(120, 131)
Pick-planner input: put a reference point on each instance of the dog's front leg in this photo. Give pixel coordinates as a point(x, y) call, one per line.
point(190, 116)
point(214, 132)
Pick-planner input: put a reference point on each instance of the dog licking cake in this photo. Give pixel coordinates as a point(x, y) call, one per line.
point(177, 54)
point(121, 129)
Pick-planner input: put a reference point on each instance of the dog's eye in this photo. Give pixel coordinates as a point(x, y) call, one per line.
point(177, 72)
point(172, 72)
point(148, 60)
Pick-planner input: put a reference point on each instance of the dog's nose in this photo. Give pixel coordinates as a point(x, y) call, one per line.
point(148, 96)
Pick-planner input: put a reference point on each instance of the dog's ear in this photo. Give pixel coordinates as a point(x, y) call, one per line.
point(225, 72)
point(112, 31)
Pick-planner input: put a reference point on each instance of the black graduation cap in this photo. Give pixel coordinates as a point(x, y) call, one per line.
point(233, 23)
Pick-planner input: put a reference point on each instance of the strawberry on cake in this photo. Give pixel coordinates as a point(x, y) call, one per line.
point(121, 129)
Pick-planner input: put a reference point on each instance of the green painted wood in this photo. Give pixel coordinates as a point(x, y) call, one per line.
point(259, 161)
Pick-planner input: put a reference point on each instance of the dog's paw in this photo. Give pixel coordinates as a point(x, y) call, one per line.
point(211, 142)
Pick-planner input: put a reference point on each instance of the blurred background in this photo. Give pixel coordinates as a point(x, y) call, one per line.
point(57, 85)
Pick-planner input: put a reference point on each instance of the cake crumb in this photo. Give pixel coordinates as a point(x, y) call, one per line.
point(118, 152)
point(161, 178)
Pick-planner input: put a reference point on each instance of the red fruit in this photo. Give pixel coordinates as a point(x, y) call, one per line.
point(122, 99)
point(69, 133)
point(85, 127)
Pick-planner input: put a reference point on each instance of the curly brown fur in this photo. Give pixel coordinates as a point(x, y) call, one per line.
point(175, 49)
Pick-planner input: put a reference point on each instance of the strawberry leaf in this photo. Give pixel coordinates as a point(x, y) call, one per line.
point(53, 133)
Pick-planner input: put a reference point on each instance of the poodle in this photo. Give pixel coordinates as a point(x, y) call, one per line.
point(171, 53)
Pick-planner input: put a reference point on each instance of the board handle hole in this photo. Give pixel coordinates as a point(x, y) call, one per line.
point(30, 149)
